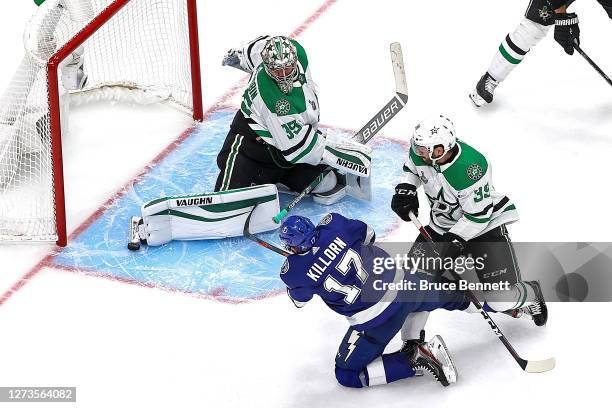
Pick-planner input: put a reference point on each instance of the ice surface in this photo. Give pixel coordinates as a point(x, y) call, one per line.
point(548, 137)
point(232, 268)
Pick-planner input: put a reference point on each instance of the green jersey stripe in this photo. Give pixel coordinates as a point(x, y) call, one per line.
point(245, 109)
point(510, 208)
point(477, 220)
point(407, 170)
point(263, 133)
point(307, 150)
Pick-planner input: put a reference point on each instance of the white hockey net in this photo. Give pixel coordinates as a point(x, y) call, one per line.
point(141, 54)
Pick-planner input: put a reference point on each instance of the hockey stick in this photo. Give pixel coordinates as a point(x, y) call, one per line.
point(259, 241)
point(593, 64)
point(530, 366)
point(371, 128)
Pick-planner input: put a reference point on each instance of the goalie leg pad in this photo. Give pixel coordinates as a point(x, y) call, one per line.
point(330, 197)
point(330, 190)
point(328, 183)
point(359, 187)
point(210, 215)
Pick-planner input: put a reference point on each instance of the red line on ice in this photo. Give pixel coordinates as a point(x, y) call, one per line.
point(47, 261)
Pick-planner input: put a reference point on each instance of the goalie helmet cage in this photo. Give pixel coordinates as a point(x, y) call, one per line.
point(136, 50)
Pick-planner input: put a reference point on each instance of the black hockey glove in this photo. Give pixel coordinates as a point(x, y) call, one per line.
point(452, 246)
point(405, 200)
point(567, 30)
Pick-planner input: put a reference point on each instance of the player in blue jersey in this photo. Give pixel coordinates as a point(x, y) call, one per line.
point(335, 260)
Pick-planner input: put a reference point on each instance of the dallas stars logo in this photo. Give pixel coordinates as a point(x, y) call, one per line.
point(545, 13)
point(474, 171)
point(441, 207)
point(282, 107)
point(434, 130)
point(418, 251)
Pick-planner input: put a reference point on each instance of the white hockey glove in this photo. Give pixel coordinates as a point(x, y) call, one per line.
point(347, 156)
point(233, 58)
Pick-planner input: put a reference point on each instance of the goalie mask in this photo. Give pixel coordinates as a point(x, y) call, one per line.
point(280, 62)
point(428, 134)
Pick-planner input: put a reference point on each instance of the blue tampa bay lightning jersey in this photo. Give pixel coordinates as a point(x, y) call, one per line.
point(337, 269)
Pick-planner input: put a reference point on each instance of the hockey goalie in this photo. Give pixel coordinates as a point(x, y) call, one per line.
point(274, 142)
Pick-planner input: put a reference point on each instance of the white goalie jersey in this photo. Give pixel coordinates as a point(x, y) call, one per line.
point(290, 122)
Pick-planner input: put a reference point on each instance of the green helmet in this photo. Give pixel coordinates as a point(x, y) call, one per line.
point(280, 62)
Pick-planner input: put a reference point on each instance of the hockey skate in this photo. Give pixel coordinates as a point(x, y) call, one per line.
point(137, 234)
point(537, 311)
point(431, 356)
point(483, 94)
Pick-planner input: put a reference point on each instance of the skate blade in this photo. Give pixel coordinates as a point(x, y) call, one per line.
point(436, 343)
point(477, 99)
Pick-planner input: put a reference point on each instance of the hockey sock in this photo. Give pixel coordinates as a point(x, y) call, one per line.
point(414, 323)
point(514, 47)
point(388, 368)
point(519, 296)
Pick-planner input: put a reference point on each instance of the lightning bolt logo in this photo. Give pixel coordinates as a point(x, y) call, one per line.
point(352, 343)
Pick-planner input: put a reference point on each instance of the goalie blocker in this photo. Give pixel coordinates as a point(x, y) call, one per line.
point(204, 216)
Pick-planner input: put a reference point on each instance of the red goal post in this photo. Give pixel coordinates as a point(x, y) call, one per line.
point(147, 49)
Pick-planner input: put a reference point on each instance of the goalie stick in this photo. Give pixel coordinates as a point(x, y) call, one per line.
point(371, 128)
point(259, 241)
point(530, 366)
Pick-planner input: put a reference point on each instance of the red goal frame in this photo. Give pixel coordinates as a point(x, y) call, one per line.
point(54, 102)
